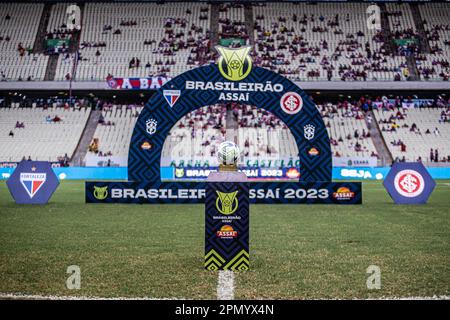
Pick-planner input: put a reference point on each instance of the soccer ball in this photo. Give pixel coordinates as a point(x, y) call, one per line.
point(228, 153)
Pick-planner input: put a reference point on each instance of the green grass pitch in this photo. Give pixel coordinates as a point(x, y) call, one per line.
point(297, 251)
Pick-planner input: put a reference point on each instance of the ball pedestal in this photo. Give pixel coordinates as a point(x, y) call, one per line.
point(227, 220)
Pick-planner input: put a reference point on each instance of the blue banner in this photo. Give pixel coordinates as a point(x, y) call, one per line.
point(146, 192)
point(170, 173)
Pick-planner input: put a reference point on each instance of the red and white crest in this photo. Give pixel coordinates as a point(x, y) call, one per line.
point(291, 102)
point(409, 183)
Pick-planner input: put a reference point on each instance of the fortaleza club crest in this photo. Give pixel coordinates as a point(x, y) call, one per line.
point(234, 64)
point(32, 182)
point(100, 193)
point(227, 203)
point(171, 96)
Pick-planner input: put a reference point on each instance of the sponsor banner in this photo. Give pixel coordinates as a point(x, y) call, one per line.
point(14, 164)
point(186, 173)
point(409, 183)
point(229, 41)
point(361, 173)
point(33, 182)
point(227, 226)
point(274, 162)
point(93, 160)
point(137, 83)
point(194, 192)
point(355, 161)
point(168, 173)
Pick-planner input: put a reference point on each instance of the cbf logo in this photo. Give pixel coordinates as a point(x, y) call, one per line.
point(308, 131)
point(100, 193)
point(291, 103)
point(227, 203)
point(32, 182)
point(150, 126)
point(234, 64)
point(409, 183)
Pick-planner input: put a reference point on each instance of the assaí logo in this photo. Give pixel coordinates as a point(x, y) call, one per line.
point(343, 193)
point(227, 232)
point(227, 203)
point(100, 193)
point(234, 64)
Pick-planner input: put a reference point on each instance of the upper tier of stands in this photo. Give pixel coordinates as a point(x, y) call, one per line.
point(304, 41)
point(435, 65)
point(322, 41)
point(161, 38)
point(19, 24)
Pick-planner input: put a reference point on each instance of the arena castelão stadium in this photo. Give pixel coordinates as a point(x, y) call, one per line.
point(125, 124)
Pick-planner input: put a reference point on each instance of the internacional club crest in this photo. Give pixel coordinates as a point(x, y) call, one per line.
point(409, 183)
point(150, 126)
point(227, 203)
point(291, 103)
point(234, 64)
point(308, 131)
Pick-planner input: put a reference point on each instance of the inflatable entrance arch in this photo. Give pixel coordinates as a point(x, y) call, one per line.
point(232, 79)
point(216, 83)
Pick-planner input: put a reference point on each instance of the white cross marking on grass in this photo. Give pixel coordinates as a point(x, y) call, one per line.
point(225, 285)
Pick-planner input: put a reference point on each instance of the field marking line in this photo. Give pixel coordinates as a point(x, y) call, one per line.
point(18, 296)
point(15, 296)
point(435, 297)
point(225, 285)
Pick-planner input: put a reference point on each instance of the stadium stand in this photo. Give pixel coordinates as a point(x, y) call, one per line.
point(40, 133)
point(145, 39)
point(18, 27)
point(261, 135)
point(195, 136)
point(114, 129)
point(232, 22)
point(435, 65)
point(347, 129)
point(322, 42)
point(411, 133)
